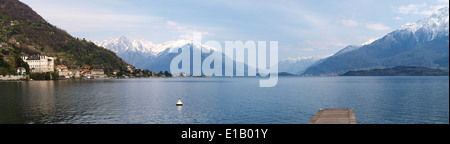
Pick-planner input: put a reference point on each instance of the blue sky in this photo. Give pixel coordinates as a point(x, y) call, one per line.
point(303, 28)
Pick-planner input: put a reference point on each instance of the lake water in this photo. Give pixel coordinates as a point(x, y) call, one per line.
point(224, 100)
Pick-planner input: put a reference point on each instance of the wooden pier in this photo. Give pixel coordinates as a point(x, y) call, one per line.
point(334, 116)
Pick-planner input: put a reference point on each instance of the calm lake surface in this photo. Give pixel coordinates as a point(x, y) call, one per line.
point(224, 100)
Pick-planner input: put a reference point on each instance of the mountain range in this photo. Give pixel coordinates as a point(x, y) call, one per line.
point(143, 54)
point(423, 43)
point(300, 64)
point(147, 55)
point(23, 32)
point(157, 57)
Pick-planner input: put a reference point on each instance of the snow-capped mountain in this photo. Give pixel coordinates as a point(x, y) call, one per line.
point(423, 43)
point(123, 45)
point(137, 53)
point(147, 55)
point(427, 29)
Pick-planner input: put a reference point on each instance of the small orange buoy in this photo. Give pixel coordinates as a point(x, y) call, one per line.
point(179, 103)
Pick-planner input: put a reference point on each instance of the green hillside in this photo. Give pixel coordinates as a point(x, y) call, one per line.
point(400, 71)
point(24, 32)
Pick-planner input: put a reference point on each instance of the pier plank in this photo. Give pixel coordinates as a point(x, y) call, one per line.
point(334, 116)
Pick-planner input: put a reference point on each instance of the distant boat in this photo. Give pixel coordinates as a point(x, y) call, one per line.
point(179, 103)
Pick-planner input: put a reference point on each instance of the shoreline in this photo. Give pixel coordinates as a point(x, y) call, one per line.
point(20, 80)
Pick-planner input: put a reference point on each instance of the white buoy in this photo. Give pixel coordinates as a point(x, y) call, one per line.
point(179, 103)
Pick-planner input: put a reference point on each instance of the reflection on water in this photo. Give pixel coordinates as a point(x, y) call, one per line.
point(39, 100)
point(224, 100)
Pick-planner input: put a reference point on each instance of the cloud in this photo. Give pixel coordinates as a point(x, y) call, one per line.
point(377, 26)
point(307, 49)
point(372, 26)
point(75, 18)
point(421, 9)
point(85, 22)
point(443, 1)
point(185, 33)
point(411, 8)
point(312, 45)
point(349, 22)
point(398, 18)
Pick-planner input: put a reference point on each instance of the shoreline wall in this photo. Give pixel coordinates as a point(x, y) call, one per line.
point(11, 77)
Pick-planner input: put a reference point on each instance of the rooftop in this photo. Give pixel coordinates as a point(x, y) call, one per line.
point(34, 57)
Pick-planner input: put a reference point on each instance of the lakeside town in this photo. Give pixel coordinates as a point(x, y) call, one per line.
point(42, 67)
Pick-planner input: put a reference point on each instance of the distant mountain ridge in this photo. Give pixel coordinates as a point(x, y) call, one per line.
point(424, 43)
point(350, 48)
point(298, 65)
